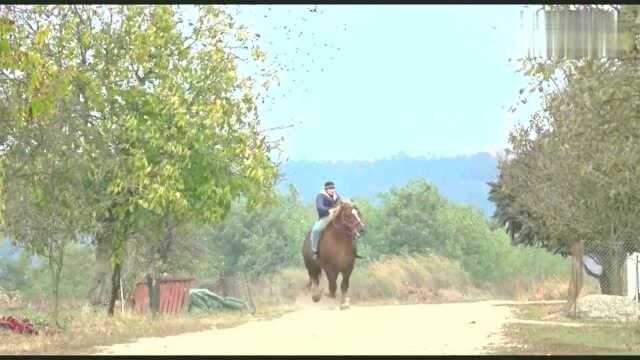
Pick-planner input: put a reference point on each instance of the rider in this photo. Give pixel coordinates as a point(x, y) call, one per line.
point(325, 200)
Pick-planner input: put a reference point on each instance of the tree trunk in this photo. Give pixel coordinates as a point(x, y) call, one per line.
point(115, 286)
point(118, 237)
point(576, 250)
point(154, 292)
point(56, 262)
point(56, 295)
point(99, 281)
point(169, 236)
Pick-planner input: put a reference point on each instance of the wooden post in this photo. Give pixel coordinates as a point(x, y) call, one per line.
point(576, 250)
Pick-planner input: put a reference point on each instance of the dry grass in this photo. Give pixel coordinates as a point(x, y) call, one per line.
point(552, 339)
point(550, 288)
point(280, 289)
point(393, 280)
point(396, 279)
point(414, 279)
point(84, 331)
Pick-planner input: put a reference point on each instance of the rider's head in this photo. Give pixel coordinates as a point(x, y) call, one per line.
point(330, 188)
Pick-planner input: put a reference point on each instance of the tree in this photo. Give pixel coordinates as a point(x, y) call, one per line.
point(43, 195)
point(517, 221)
point(169, 128)
point(46, 222)
point(572, 167)
point(409, 218)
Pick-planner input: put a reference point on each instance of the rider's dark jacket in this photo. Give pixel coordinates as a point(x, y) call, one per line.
point(323, 203)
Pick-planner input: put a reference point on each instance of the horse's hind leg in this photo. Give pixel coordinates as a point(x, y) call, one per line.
point(314, 282)
point(315, 289)
point(344, 288)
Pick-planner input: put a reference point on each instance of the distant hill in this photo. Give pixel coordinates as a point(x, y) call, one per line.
point(461, 179)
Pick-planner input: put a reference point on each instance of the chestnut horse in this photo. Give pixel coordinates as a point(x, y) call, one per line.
point(336, 251)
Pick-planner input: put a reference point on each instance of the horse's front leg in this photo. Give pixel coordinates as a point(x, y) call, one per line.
point(332, 278)
point(315, 289)
point(344, 288)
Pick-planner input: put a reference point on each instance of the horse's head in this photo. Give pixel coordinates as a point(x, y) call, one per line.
point(349, 218)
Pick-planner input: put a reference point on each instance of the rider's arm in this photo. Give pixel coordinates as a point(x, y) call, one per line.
point(320, 205)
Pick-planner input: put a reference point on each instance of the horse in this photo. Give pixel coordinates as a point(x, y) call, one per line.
point(336, 251)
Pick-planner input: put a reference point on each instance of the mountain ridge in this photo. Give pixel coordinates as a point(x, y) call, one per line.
point(461, 179)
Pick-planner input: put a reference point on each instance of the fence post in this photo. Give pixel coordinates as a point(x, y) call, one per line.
point(620, 258)
point(249, 295)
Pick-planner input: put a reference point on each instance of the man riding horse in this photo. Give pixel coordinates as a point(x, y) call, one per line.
point(326, 200)
point(339, 226)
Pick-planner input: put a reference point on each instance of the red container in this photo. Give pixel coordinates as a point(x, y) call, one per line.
point(172, 295)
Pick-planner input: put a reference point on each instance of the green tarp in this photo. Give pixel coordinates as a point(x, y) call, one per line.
point(203, 300)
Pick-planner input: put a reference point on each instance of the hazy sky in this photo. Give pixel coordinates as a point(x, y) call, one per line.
point(368, 82)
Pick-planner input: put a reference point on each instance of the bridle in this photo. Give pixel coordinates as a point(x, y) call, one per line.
point(350, 227)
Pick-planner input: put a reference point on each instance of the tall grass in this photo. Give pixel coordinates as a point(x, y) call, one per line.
point(532, 274)
point(417, 278)
point(399, 278)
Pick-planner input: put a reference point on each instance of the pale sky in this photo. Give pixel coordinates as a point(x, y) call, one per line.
point(369, 81)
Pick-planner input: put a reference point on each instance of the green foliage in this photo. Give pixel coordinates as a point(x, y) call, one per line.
point(408, 219)
point(119, 126)
point(415, 219)
point(571, 172)
point(32, 276)
point(115, 120)
point(572, 168)
point(263, 240)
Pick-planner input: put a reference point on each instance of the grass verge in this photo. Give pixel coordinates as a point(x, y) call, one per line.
point(83, 332)
point(594, 338)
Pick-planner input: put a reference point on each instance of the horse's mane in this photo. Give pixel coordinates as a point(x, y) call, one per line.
point(335, 221)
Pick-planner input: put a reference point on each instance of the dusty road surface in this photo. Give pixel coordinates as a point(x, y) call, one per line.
point(430, 329)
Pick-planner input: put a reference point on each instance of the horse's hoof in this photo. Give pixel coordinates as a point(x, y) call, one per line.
point(344, 304)
point(315, 298)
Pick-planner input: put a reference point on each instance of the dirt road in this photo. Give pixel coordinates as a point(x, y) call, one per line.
point(460, 328)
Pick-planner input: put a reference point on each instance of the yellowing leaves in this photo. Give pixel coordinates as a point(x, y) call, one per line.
point(257, 54)
point(170, 124)
point(41, 36)
point(242, 34)
point(5, 48)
